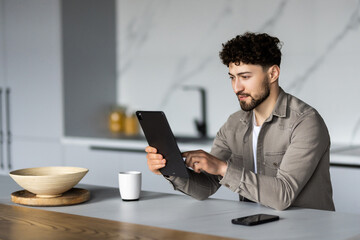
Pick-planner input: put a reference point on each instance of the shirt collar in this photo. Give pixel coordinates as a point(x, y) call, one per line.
point(281, 105)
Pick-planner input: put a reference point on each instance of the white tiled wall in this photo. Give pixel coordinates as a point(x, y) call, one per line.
point(164, 45)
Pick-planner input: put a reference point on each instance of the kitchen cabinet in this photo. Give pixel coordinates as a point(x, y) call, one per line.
point(346, 192)
point(30, 83)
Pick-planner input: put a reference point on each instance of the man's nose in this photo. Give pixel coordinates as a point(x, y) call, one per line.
point(238, 86)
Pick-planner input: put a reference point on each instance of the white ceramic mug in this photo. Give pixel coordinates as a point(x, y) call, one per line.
point(130, 185)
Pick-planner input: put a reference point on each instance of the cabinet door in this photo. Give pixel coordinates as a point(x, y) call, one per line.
point(32, 44)
point(31, 83)
point(3, 162)
point(27, 154)
point(346, 193)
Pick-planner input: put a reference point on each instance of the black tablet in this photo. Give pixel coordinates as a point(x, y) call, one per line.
point(159, 135)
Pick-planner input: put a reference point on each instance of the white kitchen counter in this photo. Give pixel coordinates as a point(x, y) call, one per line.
point(210, 216)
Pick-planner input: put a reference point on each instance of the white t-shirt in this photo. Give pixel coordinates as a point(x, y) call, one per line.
point(256, 130)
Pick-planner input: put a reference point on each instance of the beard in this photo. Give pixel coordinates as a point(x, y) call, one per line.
point(255, 101)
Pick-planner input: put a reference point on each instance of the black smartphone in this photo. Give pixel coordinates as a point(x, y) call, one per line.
point(255, 219)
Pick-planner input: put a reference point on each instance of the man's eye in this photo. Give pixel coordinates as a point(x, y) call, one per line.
point(245, 77)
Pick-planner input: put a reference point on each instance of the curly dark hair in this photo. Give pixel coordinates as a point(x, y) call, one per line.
point(252, 48)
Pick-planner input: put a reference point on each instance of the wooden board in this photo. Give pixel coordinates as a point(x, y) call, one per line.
point(73, 196)
point(17, 222)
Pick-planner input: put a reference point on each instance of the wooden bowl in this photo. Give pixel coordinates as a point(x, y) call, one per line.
point(48, 182)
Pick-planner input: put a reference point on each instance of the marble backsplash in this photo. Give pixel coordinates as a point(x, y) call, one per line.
point(164, 45)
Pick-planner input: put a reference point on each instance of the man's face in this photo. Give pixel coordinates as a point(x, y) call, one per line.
point(250, 84)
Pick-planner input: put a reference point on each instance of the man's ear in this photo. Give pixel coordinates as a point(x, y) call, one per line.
point(273, 73)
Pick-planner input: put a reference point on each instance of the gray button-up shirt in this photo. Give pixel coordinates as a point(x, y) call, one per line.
point(292, 159)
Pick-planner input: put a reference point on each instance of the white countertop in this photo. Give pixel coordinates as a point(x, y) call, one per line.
point(211, 216)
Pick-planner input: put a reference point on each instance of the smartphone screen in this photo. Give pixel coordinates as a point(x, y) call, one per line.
point(255, 219)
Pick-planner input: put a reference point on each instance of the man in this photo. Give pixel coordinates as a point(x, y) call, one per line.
point(275, 151)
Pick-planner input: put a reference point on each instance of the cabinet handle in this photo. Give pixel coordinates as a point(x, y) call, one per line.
point(1, 134)
point(8, 128)
point(117, 149)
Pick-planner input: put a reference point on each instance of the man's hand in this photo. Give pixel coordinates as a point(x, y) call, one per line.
point(155, 161)
point(200, 160)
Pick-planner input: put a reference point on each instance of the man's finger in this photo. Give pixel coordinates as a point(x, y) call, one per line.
point(193, 153)
point(197, 167)
point(185, 154)
point(157, 162)
point(150, 149)
point(190, 161)
point(157, 167)
point(153, 156)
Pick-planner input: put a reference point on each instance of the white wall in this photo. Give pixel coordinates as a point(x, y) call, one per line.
point(163, 45)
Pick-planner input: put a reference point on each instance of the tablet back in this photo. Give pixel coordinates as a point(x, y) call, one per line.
point(159, 135)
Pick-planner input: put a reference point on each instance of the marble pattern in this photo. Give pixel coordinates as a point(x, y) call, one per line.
point(166, 45)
